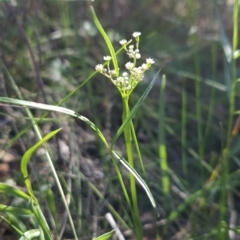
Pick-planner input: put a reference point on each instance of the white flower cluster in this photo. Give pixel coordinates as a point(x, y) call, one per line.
point(128, 80)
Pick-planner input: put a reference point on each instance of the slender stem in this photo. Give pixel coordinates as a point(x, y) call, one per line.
point(192, 6)
point(183, 128)
point(128, 142)
point(232, 102)
point(161, 141)
point(137, 148)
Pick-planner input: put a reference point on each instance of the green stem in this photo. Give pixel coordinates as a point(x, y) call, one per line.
point(128, 142)
point(183, 128)
point(196, 60)
point(226, 151)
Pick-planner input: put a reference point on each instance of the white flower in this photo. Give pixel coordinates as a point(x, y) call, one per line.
point(123, 41)
point(120, 79)
point(107, 58)
point(114, 72)
point(131, 46)
point(144, 66)
point(137, 70)
point(125, 74)
point(150, 61)
point(138, 55)
point(99, 67)
point(136, 34)
point(129, 65)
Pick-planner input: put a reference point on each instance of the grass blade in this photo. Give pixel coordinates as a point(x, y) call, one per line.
point(137, 177)
point(105, 236)
point(106, 39)
point(7, 189)
point(15, 210)
point(27, 155)
point(162, 145)
point(56, 109)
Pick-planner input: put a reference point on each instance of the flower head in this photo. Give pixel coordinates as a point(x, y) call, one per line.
point(123, 42)
point(99, 67)
point(107, 58)
point(136, 34)
point(128, 79)
point(137, 55)
point(129, 65)
point(150, 61)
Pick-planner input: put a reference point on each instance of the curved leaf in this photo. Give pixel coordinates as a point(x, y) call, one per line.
point(15, 210)
point(137, 176)
point(7, 189)
point(27, 155)
point(56, 109)
point(106, 39)
point(105, 236)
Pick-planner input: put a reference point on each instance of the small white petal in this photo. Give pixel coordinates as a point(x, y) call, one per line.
point(107, 58)
point(138, 55)
point(129, 65)
point(123, 41)
point(99, 67)
point(144, 66)
point(136, 34)
point(137, 70)
point(150, 61)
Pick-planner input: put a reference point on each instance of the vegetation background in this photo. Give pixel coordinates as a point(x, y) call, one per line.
point(49, 48)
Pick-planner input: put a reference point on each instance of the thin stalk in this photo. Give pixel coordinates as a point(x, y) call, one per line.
point(128, 142)
point(161, 141)
point(137, 148)
point(226, 151)
point(183, 129)
point(213, 91)
point(192, 4)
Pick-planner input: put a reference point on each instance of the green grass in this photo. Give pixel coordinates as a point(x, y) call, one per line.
point(167, 151)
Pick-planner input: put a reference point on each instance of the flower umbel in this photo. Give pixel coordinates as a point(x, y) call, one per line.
point(129, 79)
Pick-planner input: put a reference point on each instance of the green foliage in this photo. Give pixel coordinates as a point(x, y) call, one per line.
point(169, 149)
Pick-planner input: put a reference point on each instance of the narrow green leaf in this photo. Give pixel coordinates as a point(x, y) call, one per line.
point(137, 176)
point(227, 49)
point(30, 234)
point(7, 189)
point(192, 198)
point(56, 109)
point(106, 39)
point(27, 155)
point(15, 210)
point(14, 220)
point(196, 78)
point(134, 110)
point(51, 204)
point(105, 236)
point(42, 222)
point(162, 146)
point(9, 220)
